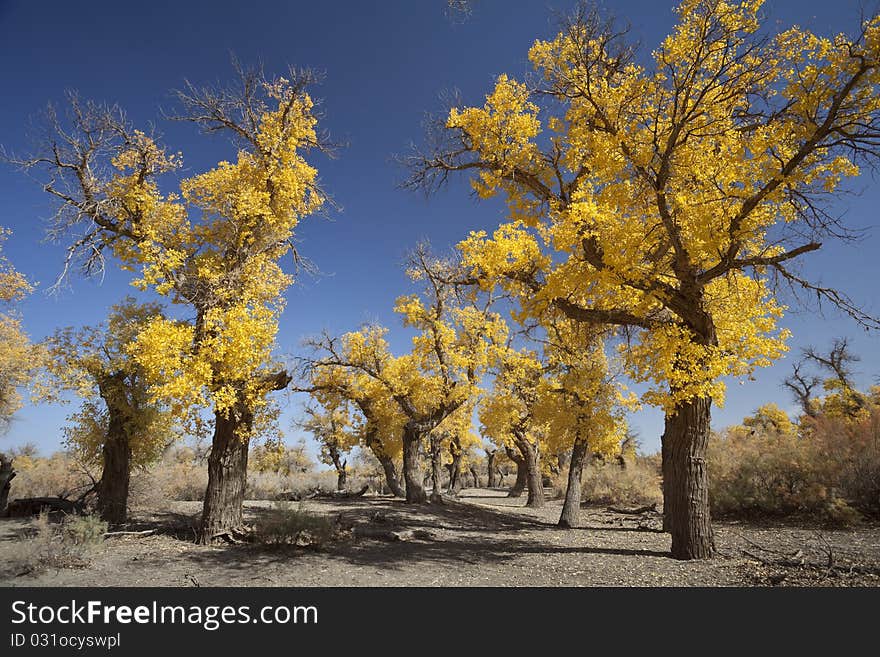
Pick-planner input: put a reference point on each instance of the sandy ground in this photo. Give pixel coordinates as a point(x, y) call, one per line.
point(483, 539)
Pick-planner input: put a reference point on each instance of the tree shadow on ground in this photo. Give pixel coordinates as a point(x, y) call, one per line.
point(460, 534)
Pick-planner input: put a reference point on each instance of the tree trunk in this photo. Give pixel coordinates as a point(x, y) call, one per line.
point(664, 458)
point(571, 508)
point(490, 466)
point(387, 463)
point(534, 481)
point(341, 478)
point(412, 469)
point(436, 471)
point(521, 475)
point(685, 479)
point(116, 474)
point(339, 463)
point(475, 476)
point(391, 476)
point(7, 474)
point(455, 482)
point(112, 489)
point(227, 477)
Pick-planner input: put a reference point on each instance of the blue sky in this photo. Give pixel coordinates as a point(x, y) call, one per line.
point(385, 65)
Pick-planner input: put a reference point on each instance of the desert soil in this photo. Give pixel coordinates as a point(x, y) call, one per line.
point(482, 539)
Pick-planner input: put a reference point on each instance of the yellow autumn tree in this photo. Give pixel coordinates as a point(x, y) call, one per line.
point(452, 436)
point(579, 403)
point(380, 427)
point(462, 445)
point(456, 336)
point(19, 358)
point(563, 402)
point(667, 197)
point(215, 246)
point(118, 424)
point(507, 414)
point(332, 426)
point(770, 419)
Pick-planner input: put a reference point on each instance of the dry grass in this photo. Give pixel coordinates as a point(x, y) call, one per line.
point(286, 524)
point(47, 543)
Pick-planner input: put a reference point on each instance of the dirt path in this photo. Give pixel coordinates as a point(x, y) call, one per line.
point(485, 539)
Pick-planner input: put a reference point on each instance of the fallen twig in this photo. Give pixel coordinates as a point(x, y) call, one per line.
point(145, 532)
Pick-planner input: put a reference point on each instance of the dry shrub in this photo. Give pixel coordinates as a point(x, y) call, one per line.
point(852, 449)
point(59, 475)
point(285, 524)
point(831, 472)
point(50, 544)
point(637, 484)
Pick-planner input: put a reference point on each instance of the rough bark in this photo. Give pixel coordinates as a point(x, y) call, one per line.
point(387, 463)
point(534, 481)
point(571, 508)
point(340, 464)
point(112, 489)
point(391, 476)
point(455, 477)
point(521, 475)
point(436, 471)
point(475, 476)
point(116, 474)
point(227, 477)
point(490, 467)
point(685, 480)
point(664, 457)
point(7, 474)
point(530, 462)
point(412, 469)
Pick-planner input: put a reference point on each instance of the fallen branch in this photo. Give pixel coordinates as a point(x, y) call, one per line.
point(342, 494)
point(365, 531)
point(634, 512)
point(32, 506)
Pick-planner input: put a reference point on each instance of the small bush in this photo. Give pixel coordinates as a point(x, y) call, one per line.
point(637, 484)
point(50, 544)
point(286, 524)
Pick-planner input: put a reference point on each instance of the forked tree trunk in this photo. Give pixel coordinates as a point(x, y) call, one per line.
point(521, 475)
point(7, 474)
point(475, 476)
point(412, 469)
point(685, 480)
point(490, 466)
point(340, 464)
point(571, 508)
point(436, 471)
point(116, 474)
point(227, 477)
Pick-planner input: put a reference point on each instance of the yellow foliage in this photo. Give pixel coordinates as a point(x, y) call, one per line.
point(647, 197)
point(94, 363)
point(19, 359)
point(217, 246)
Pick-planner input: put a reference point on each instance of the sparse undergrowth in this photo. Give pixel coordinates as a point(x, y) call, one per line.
point(286, 524)
point(47, 543)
